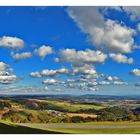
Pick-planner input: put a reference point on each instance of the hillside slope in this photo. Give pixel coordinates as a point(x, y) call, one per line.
point(15, 129)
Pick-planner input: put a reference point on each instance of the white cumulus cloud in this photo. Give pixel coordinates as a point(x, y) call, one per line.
point(11, 42)
point(48, 72)
point(43, 51)
point(50, 81)
point(81, 57)
point(3, 66)
point(104, 34)
point(120, 58)
point(21, 56)
point(135, 72)
point(6, 76)
point(35, 75)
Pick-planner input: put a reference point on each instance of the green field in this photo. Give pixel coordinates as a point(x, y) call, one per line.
point(107, 123)
point(128, 130)
point(11, 128)
point(100, 131)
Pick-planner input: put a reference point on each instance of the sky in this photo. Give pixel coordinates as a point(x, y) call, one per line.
point(70, 50)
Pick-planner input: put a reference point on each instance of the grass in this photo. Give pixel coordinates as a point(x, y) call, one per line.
point(11, 128)
point(129, 130)
point(100, 131)
point(8, 128)
point(110, 123)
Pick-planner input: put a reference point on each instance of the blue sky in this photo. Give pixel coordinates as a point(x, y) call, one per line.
point(70, 50)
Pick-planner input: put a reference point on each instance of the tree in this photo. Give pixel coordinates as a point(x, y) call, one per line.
point(77, 119)
point(131, 116)
point(113, 114)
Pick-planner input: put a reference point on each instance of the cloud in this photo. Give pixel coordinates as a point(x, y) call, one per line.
point(80, 82)
point(82, 86)
point(43, 51)
point(91, 84)
point(85, 78)
point(20, 89)
point(6, 75)
point(70, 81)
point(11, 42)
point(92, 89)
point(3, 66)
point(51, 73)
point(120, 83)
point(48, 73)
point(7, 79)
point(10, 70)
point(111, 78)
point(104, 83)
point(86, 71)
point(113, 83)
point(138, 27)
point(81, 57)
point(46, 88)
point(135, 72)
point(35, 75)
point(50, 81)
point(62, 70)
point(132, 11)
point(107, 35)
point(120, 58)
point(21, 56)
